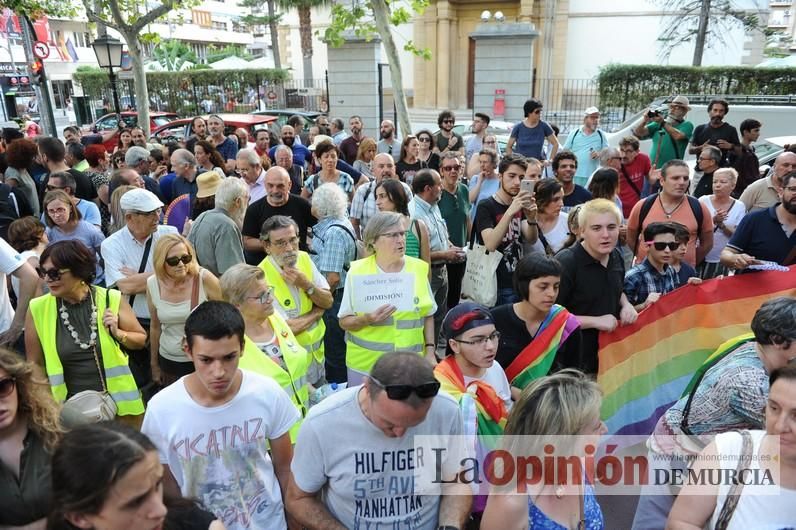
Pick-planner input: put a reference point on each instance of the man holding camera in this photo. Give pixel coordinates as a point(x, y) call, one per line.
point(716, 132)
point(670, 133)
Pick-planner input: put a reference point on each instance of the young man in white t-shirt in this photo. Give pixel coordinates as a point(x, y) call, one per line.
point(213, 428)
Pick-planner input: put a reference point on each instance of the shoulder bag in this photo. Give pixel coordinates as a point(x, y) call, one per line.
point(480, 279)
point(734, 495)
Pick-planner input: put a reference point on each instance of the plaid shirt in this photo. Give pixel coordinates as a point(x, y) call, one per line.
point(644, 279)
point(363, 208)
point(333, 247)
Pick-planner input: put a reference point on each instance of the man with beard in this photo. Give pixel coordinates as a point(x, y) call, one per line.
point(199, 132)
point(277, 201)
point(766, 235)
point(350, 146)
point(565, 165)
point(446, 139)
point(500, 225)
point(670, 134)
point(389, 142)
point(301, 291)
point(716, 132)
point(139, 138)
point(262, 141)
point(476, 142)
point(300, 153)
point(227, 147)
point(215, 234)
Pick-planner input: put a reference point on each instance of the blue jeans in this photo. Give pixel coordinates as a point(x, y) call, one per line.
point(334, 342)
point(506, 295)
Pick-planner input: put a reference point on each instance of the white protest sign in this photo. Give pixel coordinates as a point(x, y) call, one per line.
point(372, 291)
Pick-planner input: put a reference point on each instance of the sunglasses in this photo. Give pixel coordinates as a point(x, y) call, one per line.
point(424, 139)
point(450, 168)
point(7, 386)
point(402, 392)
point(175, 260)
point(51, 274)
point(660, 245)
point(447, 121)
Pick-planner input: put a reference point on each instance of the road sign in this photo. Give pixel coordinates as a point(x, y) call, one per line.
point(41, 49)
point(271, 95)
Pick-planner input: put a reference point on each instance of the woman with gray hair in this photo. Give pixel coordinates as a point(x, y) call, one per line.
point(334, 247)
point(270, 348)
point(387, 304)
point(729, 392)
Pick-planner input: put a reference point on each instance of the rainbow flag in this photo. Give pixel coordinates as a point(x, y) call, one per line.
point(645, 367)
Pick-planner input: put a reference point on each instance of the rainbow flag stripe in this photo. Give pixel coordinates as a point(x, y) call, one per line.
point(645, 367)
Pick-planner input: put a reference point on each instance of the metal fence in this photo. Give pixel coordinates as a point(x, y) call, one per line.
point(565, 100)
point(187, 98)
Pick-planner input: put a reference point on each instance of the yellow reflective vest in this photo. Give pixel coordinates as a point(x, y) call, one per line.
point(311, 338)
point(119, 379)
point(403, 331)
point(297, 360)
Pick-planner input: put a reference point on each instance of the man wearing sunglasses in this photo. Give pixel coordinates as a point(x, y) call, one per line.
point(652, 278)
point(446, 139)
point(358, 448)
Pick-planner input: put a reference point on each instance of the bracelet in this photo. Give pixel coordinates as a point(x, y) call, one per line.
point(431, 344)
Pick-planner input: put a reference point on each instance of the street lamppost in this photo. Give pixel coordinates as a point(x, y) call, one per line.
point(109, 55)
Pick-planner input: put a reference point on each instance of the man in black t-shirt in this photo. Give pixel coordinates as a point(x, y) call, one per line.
point(716, 132)
point(500, 225)
point(592, 278)
point(565, 165)
point(277, 201)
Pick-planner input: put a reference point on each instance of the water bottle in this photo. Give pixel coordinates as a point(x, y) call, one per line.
point(325, 391)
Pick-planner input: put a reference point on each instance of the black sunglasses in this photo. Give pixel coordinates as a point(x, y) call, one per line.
point(660, 245)
point(52, 274)
point(402, 392)
point(7, 386)
point(175, 260)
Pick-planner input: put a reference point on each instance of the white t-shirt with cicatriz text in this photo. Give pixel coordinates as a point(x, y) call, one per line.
point(10, 260)
point(219, 455)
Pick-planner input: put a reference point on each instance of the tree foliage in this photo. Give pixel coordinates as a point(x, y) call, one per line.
point(636, 86)
point(683, 25)
point(38, 8)
point(216, 53)
point(172, 55)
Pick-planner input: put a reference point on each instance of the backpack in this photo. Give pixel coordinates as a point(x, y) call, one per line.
point(693, 202)
point(358, 245)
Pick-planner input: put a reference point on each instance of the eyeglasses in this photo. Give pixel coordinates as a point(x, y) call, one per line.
point(50, 187)
point(490, 143)
point(155, 213)
point(393, 235)
point(660, 245)
point(51, 274)
point(704, 158)
point(537, 111)
point(402, 392)
point(175, 260)
point(481, 341)
point(7, 385)
point(424, 139)
point(264, 297)
point(448, 121)
point(292, 241)
point(450, 168)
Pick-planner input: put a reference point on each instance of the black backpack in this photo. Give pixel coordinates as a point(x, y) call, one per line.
point(693, 202)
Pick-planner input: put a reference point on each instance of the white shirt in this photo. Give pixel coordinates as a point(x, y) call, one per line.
point(121, 249)
point(257, 190)
point(10, 260)
point(219, 455)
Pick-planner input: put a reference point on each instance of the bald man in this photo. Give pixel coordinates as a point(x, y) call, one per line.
point(277, 201)
point(389, 143)
point(764, 193)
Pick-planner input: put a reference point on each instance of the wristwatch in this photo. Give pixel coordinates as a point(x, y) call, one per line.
point(311, 290)
point(448, 527)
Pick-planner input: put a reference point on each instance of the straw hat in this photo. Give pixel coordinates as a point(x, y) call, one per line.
point(207, 183)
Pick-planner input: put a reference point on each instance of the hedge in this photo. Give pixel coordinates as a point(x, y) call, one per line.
point(179, 90)
point(635, 86)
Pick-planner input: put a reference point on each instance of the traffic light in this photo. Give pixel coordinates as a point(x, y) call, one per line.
point(37, 72)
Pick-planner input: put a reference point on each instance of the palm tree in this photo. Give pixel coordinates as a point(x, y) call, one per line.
point(304, 8)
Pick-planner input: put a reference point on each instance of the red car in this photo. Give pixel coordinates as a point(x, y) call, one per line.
point(108, 125)
point(178, 130)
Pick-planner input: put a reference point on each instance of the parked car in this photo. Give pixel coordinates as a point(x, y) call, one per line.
point(178, 130)
point(282, 115)
point(108, 125)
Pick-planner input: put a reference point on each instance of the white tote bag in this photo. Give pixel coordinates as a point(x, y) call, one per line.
point(480, 279)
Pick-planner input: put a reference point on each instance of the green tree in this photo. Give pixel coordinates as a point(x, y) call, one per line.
point(304, 9)
point(172, 54)
point(377, 17)
point(216, 53)
point(705, 22)
point(124, 16)
point(271, 20)
point(37, 8)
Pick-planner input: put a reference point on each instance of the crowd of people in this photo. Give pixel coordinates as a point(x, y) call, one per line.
point(249, 333)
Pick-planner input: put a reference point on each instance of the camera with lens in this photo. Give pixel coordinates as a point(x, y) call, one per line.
point(653, 113)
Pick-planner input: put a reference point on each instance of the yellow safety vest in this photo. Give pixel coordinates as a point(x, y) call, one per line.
point(118, 378)
point(312, 337)
point(403, 331)
point(294, 379)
